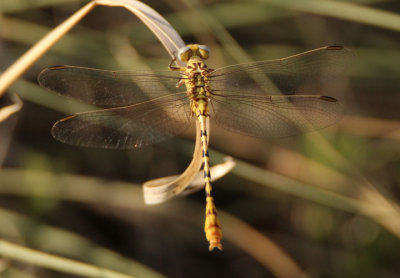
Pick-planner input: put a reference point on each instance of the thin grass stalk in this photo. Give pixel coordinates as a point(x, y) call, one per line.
point(17, 252)
point(68, 244)
point(41, 47)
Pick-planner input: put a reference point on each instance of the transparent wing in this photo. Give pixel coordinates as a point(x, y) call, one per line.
point(108, 88)
point(274, 116)
point(288, 75)
point(126, 127)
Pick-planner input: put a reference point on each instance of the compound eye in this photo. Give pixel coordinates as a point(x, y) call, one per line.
point(184, 54)
point(204, 51)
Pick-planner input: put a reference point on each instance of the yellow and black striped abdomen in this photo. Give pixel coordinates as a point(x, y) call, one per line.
point(212, 226)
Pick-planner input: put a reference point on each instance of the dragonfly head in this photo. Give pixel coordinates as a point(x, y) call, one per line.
point(187, 52)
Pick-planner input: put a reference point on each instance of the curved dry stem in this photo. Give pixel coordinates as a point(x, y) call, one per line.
point(154, 21)
point(217, 172)
point(160, 190)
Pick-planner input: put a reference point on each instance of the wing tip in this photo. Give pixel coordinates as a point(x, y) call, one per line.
point(328, 98)
point(56, 67)
point(335, 47)
point(42, 77)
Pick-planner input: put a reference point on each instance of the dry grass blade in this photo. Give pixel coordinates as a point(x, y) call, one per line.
point(26, 60)
point(191, 180)
point(160, 190)
point(372, 127)
point(156, 23)
point(217, 172)
point(16, 252)
point(262, 248)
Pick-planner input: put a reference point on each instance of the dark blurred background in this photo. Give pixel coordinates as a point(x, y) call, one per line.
point(330, 202)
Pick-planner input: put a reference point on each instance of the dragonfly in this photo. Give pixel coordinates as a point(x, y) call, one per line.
point(140, 108)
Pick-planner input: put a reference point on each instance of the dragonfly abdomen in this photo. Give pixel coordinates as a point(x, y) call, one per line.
point(212, 227)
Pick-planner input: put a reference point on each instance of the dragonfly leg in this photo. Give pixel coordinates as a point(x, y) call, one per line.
point(212, 226)
point(173, 68)
point(180, 83)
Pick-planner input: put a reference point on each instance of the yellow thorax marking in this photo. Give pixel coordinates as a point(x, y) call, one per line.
point(195, 76)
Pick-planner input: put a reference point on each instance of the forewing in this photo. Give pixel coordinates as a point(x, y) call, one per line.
point(126, 127)
point(108, 88)
point(274, 116)
point(285, 75)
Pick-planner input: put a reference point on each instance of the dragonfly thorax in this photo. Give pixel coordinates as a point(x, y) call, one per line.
point(197, 85)
point(195, 76)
